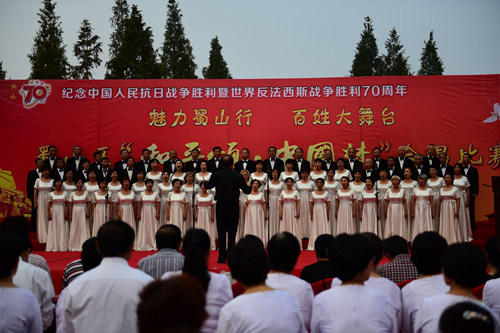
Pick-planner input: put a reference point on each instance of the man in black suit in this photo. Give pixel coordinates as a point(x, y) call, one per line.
point(169, 165)
point(391, 168)
point(105, 172)
point(245, 163)
point(378, 162)
point(59, 172)
point(194, 164)
point(300, 163)
point(96, 166)
point(75, 162)
point(121, 165)
point(84, 172)
point(369, 171)
point(403, 162)
point(431, 159)
point(473, 177)
point(419, 168)
point(328, 163)
point(51, 160)
point(228, 184)
point(443, 167)
point(33, 175)
point(273, 162)
point(144, 165)
point(215, 163)
point(131, 171)
point(352, 163)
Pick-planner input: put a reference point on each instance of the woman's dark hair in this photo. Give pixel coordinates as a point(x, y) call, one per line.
point(149, 181)
point(195, 246)
point(289, 161)
point(426, 252)
point(460, 166)
point(317, 160)
point(347, 178)
point(9, 252)
point(358, 171)
point(257, 162)
point(248, 262)
point(90, 256)
point(154, 160)
point(176, 180)
point(349, 255)
point(492, 250)
point(255, 180)
point(289, 178)
point(321, 180)
point(376, 246)
point(465, 317)
point(465, 263)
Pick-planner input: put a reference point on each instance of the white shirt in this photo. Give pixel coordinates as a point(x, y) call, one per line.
point(389, 288)
point(218, 294)
point(491, 295)
point(428, 315)
point(414, 293)
point(103, 299)
point(262, 312)
point(19, 311)
point(299, 288)
point(353, 308)
point(39, 283)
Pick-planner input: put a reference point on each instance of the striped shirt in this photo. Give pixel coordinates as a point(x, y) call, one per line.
point(72, 270)
point(165, 260)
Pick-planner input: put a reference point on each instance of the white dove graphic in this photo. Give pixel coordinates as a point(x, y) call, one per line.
point(495, 115)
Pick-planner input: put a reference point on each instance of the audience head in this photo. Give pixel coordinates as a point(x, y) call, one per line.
point(196, 248)
point(351, 257)
point(492, 250)
point(376, 246)
point(90, 255)
point(9, 254)
point(173, 305)
point(464, 264)
point(321, 245)
point(284, 251)
point(248, 262)
point(18, 225)
point(168, 237)
point(115, 239)
point(426, 252)
point(465, 317)
point(395, 246)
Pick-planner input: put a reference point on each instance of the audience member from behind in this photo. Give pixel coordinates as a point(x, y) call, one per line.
point(28, 276)
point(90, 258)
point(260, 308)
point(399, 268)
point(21, 226)
point(491, 291)
point(105, 298)
point(284, 250)
point(322, 269)
point(196, 248)
point(19, 308)
point(173, 305)
point(466, 317)
point(463, 266)
point(352, 305)
point(168, 258)
point(426, 252)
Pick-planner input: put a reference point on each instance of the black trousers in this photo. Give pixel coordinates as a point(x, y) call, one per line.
point(472, 212)
point(227, 212)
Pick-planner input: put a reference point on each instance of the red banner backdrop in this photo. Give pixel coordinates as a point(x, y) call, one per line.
point(457, 113)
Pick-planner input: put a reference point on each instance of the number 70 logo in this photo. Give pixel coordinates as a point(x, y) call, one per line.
point(35, 92)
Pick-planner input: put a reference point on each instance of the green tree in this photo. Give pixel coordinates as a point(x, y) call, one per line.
point(136, 57)
point(430, 62)
point(86, 50)
point(217, 68)
point(394, 62)
point(120, 14)
point(3, 73)
point(366, 60)
point(177, 59)
point(48, 55)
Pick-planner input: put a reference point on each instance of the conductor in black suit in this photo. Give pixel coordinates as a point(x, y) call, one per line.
point(33, 175)
point(352, 163)
point(443, 168)
point(194, 164)
point(378, 162)
point(272, 163)
point(473, 176)
point(246, 163)
point(50, 162)
point(300, 163)
point(75, 163)
point(215, 163)
point(227, 196)
point(403, 162)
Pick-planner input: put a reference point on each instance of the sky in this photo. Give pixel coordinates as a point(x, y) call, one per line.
point(278, 38)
